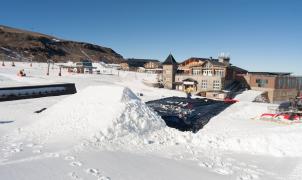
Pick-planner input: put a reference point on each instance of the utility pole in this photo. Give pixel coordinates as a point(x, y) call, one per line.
point(60, 74)
point(3, 60)
point(48, 64)
point(13, 62)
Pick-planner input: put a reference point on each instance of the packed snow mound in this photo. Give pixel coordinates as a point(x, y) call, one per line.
point(239, 129)
point(249, 95)
point(97, 111)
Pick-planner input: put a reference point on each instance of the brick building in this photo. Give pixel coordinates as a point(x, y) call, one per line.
point(278, 86)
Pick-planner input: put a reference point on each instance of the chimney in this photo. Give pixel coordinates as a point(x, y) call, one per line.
point(224, 59)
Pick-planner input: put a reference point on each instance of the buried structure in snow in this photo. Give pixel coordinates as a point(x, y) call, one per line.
point(187, 114)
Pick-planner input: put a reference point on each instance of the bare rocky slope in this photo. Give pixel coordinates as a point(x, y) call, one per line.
point(25, 45)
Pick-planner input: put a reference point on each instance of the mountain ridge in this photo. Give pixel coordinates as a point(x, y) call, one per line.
point(22, 44)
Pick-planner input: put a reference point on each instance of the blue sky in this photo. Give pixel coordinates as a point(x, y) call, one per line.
point(260, 35)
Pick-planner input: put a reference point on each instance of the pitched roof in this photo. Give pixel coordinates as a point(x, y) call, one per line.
point(215, 62)
point(139, 62)
point(170, 60)
point(238, 69)
point(192, 59)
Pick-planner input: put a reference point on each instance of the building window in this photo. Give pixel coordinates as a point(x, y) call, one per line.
point(204, 84)
point(216, 85)
point(280, 83)
point(207, 72)
point(219, 72)
point(208, 65)
point(262, 82)
point(196, 72)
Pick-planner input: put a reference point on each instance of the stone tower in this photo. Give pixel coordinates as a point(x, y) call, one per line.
point(169, 71)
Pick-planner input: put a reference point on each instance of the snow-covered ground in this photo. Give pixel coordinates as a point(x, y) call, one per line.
point(106, 131)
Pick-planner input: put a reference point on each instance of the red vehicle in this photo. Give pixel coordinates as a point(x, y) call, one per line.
point(292, 113)
point(288, 116)
point(230, 100)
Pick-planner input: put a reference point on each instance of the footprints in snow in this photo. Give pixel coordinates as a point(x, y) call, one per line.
point(19, 147)
point(29, 147)
point(75, 164)
point(69, 158)
point(73, 175)
point(95, 172)
point(246, 172)
point(220, 170)
point(91, 171)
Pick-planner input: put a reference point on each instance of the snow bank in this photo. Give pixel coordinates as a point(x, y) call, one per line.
point(239, 129)
point(96, 112)
point(249, 95)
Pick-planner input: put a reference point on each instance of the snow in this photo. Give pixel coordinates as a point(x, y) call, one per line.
point(56, 40)
point(95, 112)
point(239, 131)
point(249, 95)
point(106, 131)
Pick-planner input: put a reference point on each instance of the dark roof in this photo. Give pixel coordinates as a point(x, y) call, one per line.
point(132, 62)
point(170, 60)
point(271, 73)
point(238, 69)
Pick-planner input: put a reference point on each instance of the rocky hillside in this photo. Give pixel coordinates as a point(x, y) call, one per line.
point(25, 45)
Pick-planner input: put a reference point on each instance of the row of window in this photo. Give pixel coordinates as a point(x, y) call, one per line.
point(216, 85)
point(286, 83)
point(282, 83)
point(208, 72)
